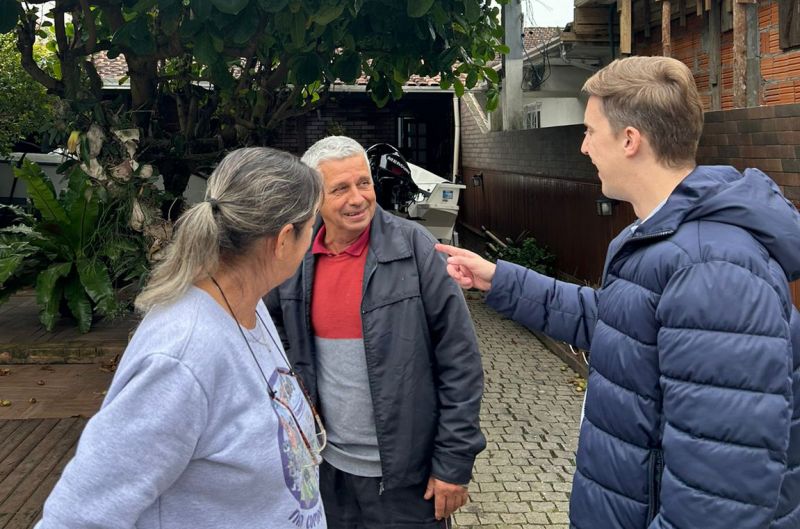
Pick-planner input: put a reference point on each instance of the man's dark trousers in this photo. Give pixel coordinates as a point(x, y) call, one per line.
point(355, 502)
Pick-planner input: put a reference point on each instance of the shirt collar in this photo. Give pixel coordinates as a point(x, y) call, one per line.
point(355, 249)
point(640, 222)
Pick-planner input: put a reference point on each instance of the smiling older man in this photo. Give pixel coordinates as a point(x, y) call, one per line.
point(383, 341)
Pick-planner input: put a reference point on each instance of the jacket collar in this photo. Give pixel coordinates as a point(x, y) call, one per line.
point(383, 240)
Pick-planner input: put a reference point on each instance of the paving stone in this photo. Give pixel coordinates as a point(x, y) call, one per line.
point(530, 417)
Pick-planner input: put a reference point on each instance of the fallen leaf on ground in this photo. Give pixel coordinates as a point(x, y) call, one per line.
point(4, 371)
point(5, 403)
point(32, 400)
point(40, 382)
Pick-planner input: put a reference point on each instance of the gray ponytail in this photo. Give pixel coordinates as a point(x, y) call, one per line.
point(251, 194)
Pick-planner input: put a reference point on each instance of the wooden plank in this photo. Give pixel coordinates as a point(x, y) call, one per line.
point(666, 28)
point(699, 9)
point(16, 437)
point(682, 12)
point(570, 36)
point(590, 15)
point(739, 56)
point(32, 509)
point(590, 29)
point(715, 56)
point(37, 468)
point(12, 460)
point(647, 16)
point(625, 29)
point(7, 428)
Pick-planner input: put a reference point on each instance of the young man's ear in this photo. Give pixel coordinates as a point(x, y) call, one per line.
point(632, 140)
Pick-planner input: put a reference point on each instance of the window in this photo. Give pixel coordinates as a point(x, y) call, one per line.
point(413, 140)
point(533, 116)
point(789, 17)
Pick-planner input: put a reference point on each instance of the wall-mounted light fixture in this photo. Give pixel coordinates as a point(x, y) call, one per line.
point(605, 206)
point(477, 179)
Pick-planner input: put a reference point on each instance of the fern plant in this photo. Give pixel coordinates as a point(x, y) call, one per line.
point(74, 250)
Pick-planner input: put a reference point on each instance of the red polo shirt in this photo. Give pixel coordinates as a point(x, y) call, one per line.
point(338, 284)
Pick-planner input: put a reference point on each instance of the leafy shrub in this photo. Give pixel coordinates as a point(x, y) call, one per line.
point(528, 253)
point(24, 106)
point(77, 250)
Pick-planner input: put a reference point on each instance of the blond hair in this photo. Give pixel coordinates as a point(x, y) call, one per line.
point(657, 96)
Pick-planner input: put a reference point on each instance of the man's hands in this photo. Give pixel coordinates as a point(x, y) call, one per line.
point(467, 268)
point(448, 498)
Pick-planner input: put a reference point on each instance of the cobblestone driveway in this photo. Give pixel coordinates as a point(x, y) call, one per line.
point(530, 417)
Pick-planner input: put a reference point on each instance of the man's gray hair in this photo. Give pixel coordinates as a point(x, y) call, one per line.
point(333, 148)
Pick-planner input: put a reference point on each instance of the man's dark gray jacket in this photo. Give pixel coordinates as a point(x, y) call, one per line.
point(423, 362)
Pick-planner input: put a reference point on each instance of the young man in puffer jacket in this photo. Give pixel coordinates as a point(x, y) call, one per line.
point(692, 414)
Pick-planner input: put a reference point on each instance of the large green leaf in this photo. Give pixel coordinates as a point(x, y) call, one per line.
point(245, 26)
point(327, 14)
point(9, 265)
point(48, 292)
point(307, 68)
point(78, 304)
point(40, 190)
point(418, 8)
point(83, 208)
point(273, 6)
point(347, 66)
point(472, 10)
point(137, 36)
point(204, 48)
point(9, 13)
point(97, 283)
point(298, 29)
point(230, 7)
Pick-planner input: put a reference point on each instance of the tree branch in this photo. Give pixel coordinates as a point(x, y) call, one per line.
point(26, 36)
point(88, 19)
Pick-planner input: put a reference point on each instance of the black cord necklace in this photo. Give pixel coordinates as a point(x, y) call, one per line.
point(247, 342)
point(319, 428)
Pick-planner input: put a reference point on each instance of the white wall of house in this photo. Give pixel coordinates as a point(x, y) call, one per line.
point(560, 78)
point(553, 111)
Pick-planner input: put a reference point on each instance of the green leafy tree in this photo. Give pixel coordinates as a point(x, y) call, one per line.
point(24, 104)
point(206, 75)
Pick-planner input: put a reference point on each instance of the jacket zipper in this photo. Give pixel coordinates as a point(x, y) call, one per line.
point(656, 468)
point(626, 242)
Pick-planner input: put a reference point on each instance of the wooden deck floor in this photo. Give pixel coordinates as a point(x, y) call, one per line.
point(24, 339)
point(33, 453)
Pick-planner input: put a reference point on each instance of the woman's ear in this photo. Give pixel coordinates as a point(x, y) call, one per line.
point(283, 241)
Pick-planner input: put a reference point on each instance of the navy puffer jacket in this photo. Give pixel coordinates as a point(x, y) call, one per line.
point(693, 403)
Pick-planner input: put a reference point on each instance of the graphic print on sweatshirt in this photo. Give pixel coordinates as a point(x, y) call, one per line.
point(299, 471)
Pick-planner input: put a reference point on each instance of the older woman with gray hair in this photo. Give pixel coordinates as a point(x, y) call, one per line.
point(205, 424)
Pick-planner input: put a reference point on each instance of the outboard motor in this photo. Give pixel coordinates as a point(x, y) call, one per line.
point(394, 188)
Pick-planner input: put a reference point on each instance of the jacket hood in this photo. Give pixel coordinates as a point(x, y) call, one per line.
point(749, 200)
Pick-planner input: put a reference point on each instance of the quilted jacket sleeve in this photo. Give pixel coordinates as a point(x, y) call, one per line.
point(725, 362)
point(559, 309)
point(458, 369)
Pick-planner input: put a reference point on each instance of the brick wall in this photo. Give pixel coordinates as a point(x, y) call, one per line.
point(766, 137)
point(355, 115)
point(780, 70)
